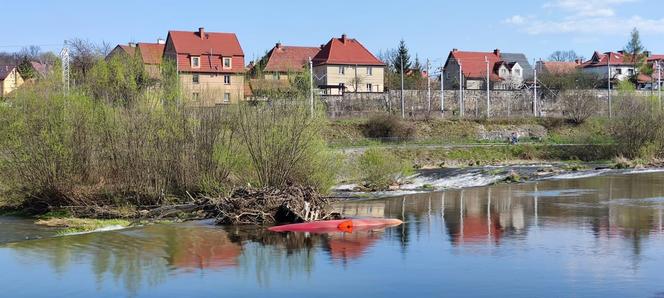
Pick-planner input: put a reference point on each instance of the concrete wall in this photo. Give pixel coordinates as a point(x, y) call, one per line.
point(509, 103)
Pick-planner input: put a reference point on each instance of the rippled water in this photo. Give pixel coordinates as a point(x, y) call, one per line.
point(599, 237)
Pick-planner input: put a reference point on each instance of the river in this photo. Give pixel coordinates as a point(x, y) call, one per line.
point(585, 237)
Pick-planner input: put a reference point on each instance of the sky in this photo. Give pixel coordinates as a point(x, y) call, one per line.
point(430, 28)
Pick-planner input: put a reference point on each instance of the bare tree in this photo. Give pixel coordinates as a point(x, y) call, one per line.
point(579, 104)
point(565, 56)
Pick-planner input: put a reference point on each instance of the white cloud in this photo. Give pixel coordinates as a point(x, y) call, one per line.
point(515, 20)
point(586, 16)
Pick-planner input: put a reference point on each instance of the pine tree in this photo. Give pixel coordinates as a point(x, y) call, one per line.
point(26, 70)
point(402, 55)
point(635, 52)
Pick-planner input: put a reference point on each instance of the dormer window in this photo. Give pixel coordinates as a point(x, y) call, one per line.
point(228, 62)
point(195, 62)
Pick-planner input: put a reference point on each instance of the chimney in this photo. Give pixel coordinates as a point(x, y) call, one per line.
point(161, 41)
point(132, 44)
point(455, 50)
point(278, 45)
point(343, 38)
point(201, 32)
point(496, 52)
point(322, 46)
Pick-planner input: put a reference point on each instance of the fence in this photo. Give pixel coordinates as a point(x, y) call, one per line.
point(507, 103)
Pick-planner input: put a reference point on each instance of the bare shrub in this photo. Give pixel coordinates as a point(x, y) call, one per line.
point(579, 105)
point(388, 127)
point(638, 126)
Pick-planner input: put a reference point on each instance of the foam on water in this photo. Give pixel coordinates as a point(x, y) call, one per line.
point(103, 229)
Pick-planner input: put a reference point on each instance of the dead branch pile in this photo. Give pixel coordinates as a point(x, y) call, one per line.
point(292, 204)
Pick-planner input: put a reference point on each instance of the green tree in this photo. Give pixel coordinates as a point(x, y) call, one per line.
point(635, 53)
point(26, 70)
point(401, 55)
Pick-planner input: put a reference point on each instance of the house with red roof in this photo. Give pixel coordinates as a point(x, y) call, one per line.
point(210, 65)
point(345, 65)
point(620, 66)
point(506, 70)
point(657, 64)
point(283, 61)
point(10, 79)
point(150, 54)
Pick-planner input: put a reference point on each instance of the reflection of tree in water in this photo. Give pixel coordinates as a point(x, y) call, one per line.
point(136, 258)
point(291, 254)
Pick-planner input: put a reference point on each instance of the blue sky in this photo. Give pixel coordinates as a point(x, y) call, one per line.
point(430, 28)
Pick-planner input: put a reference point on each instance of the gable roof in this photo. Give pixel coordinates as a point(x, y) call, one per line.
point(208, 43)
point(557, 67)
point(602, 59)
point(473, 64)
point(345, 51)
point(289, 58)
point(151, 53)
point(5, 70)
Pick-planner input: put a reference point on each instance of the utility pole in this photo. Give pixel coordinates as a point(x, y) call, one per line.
point(659, 83)
point(64, 58)
point(442, 90)
point(428, 88)
point(461, 107)
point(608, 64)
point(535, 107)
point(403, 106)
point(488, 92)
point(311, 86)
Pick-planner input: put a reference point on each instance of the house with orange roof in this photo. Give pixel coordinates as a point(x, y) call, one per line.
point(150, 54)
point(345, 65)
point(210, 66)
point(282, 61)
point(506, 70)
point(558, 67)
point(10, 79)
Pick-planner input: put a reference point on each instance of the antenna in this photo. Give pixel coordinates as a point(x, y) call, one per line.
point(64, 58)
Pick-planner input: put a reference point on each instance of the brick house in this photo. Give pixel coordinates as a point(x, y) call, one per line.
point(283, 61)
point(210, 66)
point(506, 70)
point(10, 79)
point(345, 65)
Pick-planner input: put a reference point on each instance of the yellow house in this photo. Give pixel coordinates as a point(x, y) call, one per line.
point(210, 66)
point(345, 65)
point(10, 79)
point(149, 53)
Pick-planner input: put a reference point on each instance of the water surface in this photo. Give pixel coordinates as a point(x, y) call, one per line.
point(591, 237)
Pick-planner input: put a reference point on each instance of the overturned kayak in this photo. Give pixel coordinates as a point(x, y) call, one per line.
point(341, 225)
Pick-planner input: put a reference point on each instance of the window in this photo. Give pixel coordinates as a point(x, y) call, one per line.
point(369, 87)
point(227, 97)
point(275, 76)
point(619, 71)
point(196, 62)
point(195, 78)
point(517, 72)
point(630, 72)
point(342, 70)
point(194, 96)
point(228, 62)
point(369, 71)
point(227, 80)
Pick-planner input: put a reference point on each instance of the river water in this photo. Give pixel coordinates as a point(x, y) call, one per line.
point(590, 237)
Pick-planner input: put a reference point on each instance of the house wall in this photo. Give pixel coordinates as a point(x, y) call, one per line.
point(153, 70)
point(281, 76)
point(354, 76)
point(12, 82)
point(211, 88)
point(602, 71)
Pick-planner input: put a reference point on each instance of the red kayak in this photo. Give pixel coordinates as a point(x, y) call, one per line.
point(342, 225)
